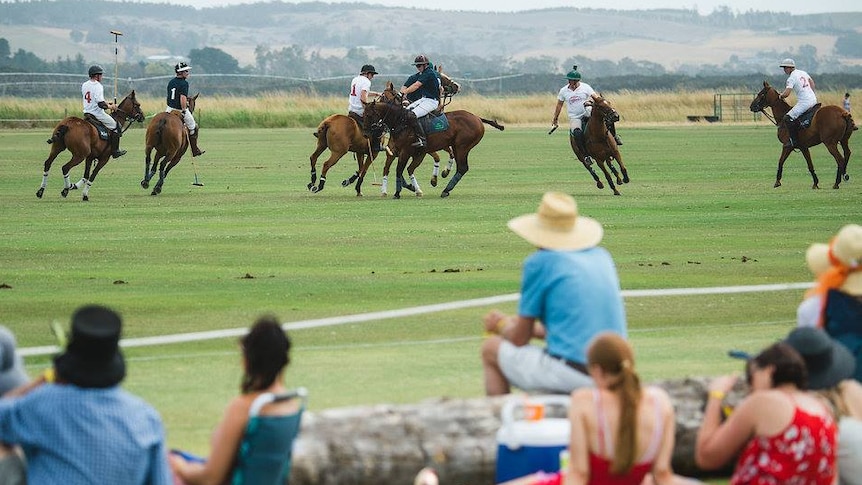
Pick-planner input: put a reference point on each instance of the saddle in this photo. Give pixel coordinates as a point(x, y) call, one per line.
point(177, 112)
point(434, 122)
point(104, 132)
point(805, 118)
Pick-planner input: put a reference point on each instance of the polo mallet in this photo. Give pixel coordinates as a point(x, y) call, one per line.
point(117, 35)
point(196, 183)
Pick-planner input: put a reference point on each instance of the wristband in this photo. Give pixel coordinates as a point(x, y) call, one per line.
point(501, 324)
point(49, 375)
point(717, 395)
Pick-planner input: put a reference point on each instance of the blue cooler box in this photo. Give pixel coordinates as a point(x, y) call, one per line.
point(525, 447)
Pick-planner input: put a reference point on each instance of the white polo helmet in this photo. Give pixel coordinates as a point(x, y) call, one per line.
point(787, 63)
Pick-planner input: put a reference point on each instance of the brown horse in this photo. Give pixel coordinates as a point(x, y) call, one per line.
point(465, 132)
point(169, 136)
point(830, 125)
point(82, 139)
point(600, 144)
point(340, 134)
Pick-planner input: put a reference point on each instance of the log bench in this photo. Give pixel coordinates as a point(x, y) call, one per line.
point(389, 444)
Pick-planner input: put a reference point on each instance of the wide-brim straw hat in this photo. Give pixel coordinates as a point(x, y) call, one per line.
point(846, 249)
point(828, 362)
point(557, 225)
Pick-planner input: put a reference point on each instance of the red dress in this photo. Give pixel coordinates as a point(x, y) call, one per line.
point(803, 454)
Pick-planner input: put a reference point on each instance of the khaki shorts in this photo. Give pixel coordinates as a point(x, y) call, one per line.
point(530, 369)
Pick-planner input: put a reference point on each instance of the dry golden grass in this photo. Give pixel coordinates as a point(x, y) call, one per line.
point(291, 110)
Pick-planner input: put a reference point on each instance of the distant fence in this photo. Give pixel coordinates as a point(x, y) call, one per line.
point(728, 107)
point(60, 85)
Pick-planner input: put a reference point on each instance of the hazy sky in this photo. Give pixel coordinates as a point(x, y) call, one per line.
point(703, 6)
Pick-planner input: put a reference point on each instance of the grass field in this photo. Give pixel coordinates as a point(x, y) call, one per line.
point(700, 212)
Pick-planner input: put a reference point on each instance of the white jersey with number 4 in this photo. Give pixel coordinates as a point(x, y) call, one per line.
point(92, 93)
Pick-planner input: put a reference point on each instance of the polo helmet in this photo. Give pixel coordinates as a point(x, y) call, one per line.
point(182, 66)
point(573, 76)
point(420, 60)
point(95, 69)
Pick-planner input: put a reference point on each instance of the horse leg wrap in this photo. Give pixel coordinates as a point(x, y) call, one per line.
point(452, 183)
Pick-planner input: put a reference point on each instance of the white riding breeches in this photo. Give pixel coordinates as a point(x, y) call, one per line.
point(423, 106)
point(188, 119)
point(110, 123)
point(799, 108)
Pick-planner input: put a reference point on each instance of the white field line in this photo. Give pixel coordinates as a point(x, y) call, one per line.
point(408, 312)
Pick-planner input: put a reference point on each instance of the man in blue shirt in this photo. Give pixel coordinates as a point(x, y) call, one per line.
point(570, 292)
point(423, 91)
point(83, 429)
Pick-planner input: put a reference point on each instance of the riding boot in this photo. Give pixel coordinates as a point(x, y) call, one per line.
point(417, 129)
point(115, 144)
point(613, 129)
point(193, 142)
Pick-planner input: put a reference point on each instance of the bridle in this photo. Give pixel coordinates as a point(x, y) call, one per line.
point(759, 105)
point(392, 117)
point(608, 113)
point(128, 119)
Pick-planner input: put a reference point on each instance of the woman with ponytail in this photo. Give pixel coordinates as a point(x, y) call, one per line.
point(621, 431)
point(265, 355)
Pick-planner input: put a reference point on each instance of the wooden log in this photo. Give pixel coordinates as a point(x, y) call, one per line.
point(457, 437)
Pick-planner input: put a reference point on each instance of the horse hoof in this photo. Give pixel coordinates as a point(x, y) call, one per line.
point(600, 185)
point(433, 181)
point(396, 196)
point(815, 186)
point(85, 199)
point(64, 192)
point(835, 186)
point(40, 192)
point(314, 189)
point(310, 186)
point(625, 179)
point(419, 193)
point(345, 183)
point(145, 184)
point(444, 194)
point(777, 184)
point(617, 192)
point(383, 194)
point(444, 173)
point(846, 177)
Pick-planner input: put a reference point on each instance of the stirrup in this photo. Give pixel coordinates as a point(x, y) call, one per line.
point(418, 143)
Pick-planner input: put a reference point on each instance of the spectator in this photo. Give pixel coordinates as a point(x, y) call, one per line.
point(830, 373)
point(570, 292)
point(12, 469)
point(266, 353)
point(83, 428)
point(846, 102)
point(781, 433)
point(621, 432)
point(835, 303)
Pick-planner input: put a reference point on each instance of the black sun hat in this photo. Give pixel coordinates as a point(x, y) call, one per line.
point(827, 360)
point(368, 68)
point(93, 358)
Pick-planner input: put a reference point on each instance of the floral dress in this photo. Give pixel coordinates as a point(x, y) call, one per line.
point(803, 454)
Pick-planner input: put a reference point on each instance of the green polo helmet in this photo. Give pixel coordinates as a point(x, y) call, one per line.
point(573, 76)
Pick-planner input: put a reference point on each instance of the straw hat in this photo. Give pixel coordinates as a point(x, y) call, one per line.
point(845, 250)
point(557, 225)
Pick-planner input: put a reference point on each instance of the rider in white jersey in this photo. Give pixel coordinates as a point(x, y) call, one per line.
point(799, 82)
point(360, 90)
point(93, 99)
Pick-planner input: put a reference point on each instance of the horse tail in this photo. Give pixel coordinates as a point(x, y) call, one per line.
point(58, 135)
point(851, 125)
point(493, 123)
point(322, 128)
